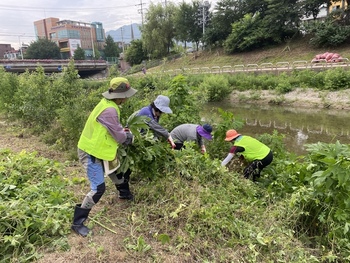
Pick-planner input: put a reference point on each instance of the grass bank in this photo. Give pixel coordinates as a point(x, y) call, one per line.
point(295, 50)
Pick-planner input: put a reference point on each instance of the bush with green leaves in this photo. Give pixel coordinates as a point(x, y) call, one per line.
point(337, 79)
point(284, 86)
point(8, 87)
point(303, 78)
point(35, 207)
point(186, 102)
point(317, 187)
point(328, 33)
point(216, 87)
point(35, 105)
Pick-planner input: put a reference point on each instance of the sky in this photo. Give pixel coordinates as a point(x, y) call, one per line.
point(17, 17)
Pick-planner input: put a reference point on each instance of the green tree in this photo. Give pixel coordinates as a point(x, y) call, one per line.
point(246, 34)
point(79, 54)
point(186, 23)
point(135, 54)
point(226, 13)
point(158, 30)
point(312, 7)
point(111, 48)
point(285, 22)
point(267, 22)
point(183, 22)
point(196, 31)
point(43, 49)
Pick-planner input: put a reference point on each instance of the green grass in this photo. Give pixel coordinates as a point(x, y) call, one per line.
point(296, 50)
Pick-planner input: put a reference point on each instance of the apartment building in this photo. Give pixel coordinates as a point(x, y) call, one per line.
point(69, 34)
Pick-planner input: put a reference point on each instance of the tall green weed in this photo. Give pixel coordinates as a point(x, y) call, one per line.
point(35, 207)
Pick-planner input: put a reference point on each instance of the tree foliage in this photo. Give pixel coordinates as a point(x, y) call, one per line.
point(135, 53)
point(226, 13)
point(186, 24)
point(246, 34)
point(79, 54)
point(311, 8)
point(329, 33)
point(182, 21)
point(158, 31)
point(264, 26)
point(111, 48)
point(43, 49)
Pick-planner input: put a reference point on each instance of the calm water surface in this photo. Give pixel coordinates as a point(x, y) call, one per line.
point(300, 126)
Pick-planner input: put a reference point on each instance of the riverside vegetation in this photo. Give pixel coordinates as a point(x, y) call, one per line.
point(188, 208)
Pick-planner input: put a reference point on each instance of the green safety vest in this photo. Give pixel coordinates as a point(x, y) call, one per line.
point(254, 150)
point(95, 138)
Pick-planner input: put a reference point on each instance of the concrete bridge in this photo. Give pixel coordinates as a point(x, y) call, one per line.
point(85, 67)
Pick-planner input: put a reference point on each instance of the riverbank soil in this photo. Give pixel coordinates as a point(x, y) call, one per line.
point(299, 98)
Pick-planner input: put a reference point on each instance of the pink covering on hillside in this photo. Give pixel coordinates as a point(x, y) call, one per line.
point(328, 57)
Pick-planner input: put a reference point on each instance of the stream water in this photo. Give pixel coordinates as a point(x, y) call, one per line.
point(299, 125)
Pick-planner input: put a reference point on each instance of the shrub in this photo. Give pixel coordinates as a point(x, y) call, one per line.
point(8, 85)
point(328, 33)
point(215, 87)
point(337, 79)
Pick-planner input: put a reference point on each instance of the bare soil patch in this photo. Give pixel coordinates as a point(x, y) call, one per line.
point(299, 98)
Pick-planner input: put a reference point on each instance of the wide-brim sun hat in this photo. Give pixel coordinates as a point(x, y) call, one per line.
point(231, 134)
point(162, 103)
point(205, 131)
point(119, 88)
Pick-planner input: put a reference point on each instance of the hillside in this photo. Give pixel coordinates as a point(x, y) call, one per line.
point(295, 50)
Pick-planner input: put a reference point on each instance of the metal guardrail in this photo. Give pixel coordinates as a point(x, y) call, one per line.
point(268, 67)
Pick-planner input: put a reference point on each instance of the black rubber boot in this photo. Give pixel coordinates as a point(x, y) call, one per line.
point(80, 215)
point(124, 191)
point(123, 188)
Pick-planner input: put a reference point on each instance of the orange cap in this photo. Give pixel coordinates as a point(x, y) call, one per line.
point(231, 134)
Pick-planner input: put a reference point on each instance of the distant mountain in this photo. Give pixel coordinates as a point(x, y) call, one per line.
point(125, 33)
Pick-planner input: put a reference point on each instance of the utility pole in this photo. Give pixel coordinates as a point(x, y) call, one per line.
point(92, 42)
point(121, 30)
point(141, 10)
point(204, 14)
point(20, 45)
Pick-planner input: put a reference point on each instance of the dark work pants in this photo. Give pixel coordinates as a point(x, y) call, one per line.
point(254, 169)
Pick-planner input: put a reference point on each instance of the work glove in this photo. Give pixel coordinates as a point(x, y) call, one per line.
point(171, 141)
point(129, 138)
